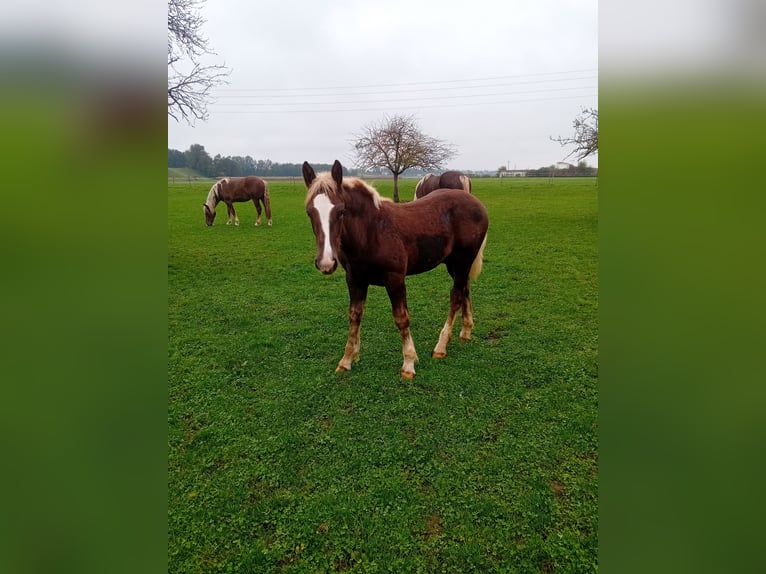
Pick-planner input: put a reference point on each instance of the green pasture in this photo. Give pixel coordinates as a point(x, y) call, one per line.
point(486, 462)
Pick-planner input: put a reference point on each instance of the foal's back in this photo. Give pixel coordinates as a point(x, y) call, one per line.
point(442, 208)
point(447, 223)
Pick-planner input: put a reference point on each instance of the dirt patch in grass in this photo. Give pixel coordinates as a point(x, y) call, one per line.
point(434, 527)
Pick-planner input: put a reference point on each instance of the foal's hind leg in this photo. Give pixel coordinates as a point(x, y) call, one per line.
point(258, 211)
point(459, 299)
point(467, 311)
point(455, 303)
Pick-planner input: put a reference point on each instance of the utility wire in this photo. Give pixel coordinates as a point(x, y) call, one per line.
point(389, 109)
point(590, 70)
point(403, 91)
point(393, 100)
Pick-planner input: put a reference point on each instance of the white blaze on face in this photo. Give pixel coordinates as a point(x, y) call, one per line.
point(323, 206)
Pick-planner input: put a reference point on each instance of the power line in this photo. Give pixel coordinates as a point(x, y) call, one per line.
point(422, 98)
point(389, 85)
point(389, 109)
point(379, 92)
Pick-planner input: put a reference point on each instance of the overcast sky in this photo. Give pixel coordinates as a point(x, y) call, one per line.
point(495, 79)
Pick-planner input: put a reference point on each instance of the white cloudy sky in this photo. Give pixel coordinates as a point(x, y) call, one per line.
point(495, 78)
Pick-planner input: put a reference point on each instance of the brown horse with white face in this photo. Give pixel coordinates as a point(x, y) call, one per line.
point(231, 189)
point(379, 242)
point(447, 180)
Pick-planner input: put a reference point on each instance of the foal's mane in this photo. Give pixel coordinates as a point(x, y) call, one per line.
point(324, 183)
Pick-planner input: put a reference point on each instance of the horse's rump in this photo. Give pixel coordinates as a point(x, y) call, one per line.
point(448, 180)
point(455, 180)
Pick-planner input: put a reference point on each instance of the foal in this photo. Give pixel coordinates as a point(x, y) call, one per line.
point(379, 242)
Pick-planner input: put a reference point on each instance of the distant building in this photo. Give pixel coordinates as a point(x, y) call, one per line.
point(512, 173)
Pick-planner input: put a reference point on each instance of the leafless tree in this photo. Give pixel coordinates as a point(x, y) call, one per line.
point(189, 81)
point(585, 137)
point(397, 144)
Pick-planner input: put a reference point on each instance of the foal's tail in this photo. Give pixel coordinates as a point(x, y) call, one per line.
point(478, 261)
point(266, 200)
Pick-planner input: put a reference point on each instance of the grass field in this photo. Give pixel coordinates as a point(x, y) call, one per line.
point(486, 462)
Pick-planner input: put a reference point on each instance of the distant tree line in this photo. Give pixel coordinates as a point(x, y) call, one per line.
point(198, 159)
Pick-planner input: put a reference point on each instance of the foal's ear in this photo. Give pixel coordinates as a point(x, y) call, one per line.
point(337, 173)
point(308, 173)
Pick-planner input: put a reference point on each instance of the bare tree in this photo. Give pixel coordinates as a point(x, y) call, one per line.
point(585, 137)
point(397, 144)
point(189, 89)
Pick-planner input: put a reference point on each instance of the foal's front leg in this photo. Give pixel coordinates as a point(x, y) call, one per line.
point(357, 296)
point(397, 292)
point(232, 214)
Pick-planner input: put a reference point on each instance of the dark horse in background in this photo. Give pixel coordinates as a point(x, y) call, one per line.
point(231, 189)
point(447, 180)
point(379, 242)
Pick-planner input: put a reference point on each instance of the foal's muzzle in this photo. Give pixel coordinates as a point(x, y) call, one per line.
point(326, 268)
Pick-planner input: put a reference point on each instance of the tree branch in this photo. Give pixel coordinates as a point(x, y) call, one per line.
point(585, 137)
point(189, 92)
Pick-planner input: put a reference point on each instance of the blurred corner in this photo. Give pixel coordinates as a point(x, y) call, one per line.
point(682, 278)
point(83, 296)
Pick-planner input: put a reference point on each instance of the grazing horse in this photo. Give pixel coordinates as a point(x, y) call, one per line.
point(379, 242)
point(231, 189)
point(447, 180)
